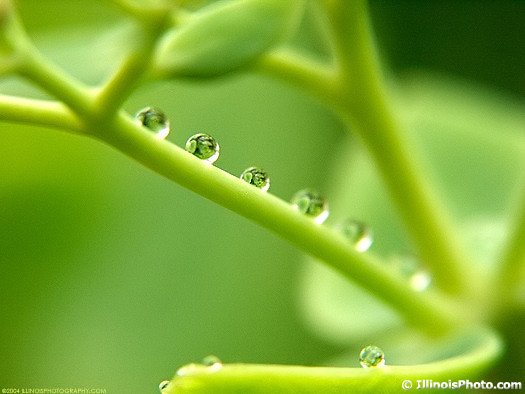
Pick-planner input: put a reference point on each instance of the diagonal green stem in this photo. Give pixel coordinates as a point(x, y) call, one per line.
point(430, 312)
point(358, 95)
point(134, 66)
point(365, 107)
point(32, 65)
point(312, 76)
point(58, 83)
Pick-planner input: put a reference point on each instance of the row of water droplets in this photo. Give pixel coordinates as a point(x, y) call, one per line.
point(201, 145)
point(307, 201)
point(369, 357)
point(314, 205)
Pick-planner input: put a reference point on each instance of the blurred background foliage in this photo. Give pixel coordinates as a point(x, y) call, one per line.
point(113, 277)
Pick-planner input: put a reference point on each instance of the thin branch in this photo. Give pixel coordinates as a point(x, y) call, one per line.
point(364, 105)
point(38, 112)
point(122, 83)
point(39, 70)
point(307, 74)
point(428, 311)
point(32, 65)
point(136, 64)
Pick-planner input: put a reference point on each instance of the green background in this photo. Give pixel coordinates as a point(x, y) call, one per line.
point(112, 277)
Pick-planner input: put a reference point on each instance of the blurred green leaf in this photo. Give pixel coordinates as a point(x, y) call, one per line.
point(225, 36)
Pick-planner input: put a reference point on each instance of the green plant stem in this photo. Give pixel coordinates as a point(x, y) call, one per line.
point(31, 65)
point(364, 106)
point(38, 112)
point(255, 379)
point(118, 88)
point(133, 68)
point(359, 96)
point(58, 83)
point(317, 79)
point(429, 312)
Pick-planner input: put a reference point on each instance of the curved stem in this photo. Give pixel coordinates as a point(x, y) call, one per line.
point(38, 112)
point(36, 68)
point(484, 350)
point(364, 105)
point(429, 312)
point(300, 71)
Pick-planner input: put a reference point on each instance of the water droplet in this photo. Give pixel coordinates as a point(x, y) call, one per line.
point(213, 362)
point(204, 147)
point(410, 268)
point(312, 204)
point(155, 121)
point(257, 177)
point(187, 369)
point(420, 280)
point(371, 357)
point(164, 385)
point(358, 233)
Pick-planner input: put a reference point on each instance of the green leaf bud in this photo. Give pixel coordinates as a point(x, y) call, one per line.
point(225, 36)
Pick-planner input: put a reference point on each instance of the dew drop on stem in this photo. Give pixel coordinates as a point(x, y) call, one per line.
point(203, 146)
point(371, 357)
point(358, 233)
point(311, 204)
point(155, 121)
point(213, 362)
point(410, 268)
point(257, 177)
point(164, 385)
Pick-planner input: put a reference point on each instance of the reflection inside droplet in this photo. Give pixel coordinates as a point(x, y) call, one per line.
point(164, 385)
point(311, 204)
point(410, 268)
point(371, 357)
point(213, 362)
point(358, 233)
point(257, 177)
point(203, 146)
point(155, 121)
